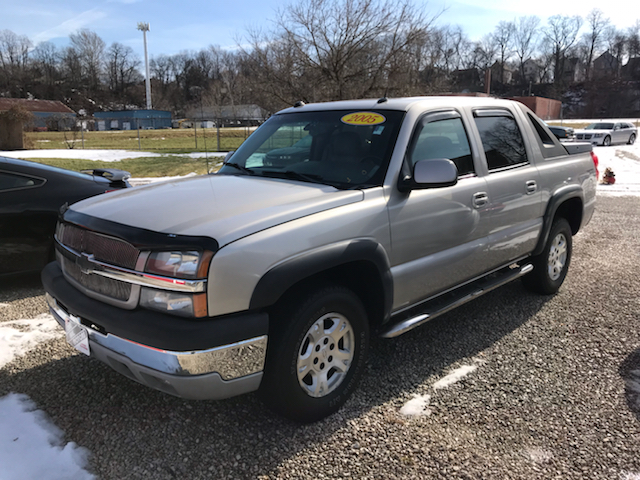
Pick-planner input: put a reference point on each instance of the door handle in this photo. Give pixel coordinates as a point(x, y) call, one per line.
point(480, 199)
point(532, 186)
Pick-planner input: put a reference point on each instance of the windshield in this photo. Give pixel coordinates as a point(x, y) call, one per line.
point(600, 126)
point(342, 148)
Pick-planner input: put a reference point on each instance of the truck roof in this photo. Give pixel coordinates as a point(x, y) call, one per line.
point(404, 103)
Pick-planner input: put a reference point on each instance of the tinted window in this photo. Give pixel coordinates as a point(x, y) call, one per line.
point(443, 139)
point(9, 181)
point(502, 141)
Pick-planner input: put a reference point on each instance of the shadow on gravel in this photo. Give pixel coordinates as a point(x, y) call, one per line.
point(17, 287)
point(630, 373)
point(136, 432)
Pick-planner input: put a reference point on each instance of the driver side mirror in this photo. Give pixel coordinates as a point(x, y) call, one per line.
point(435, 173)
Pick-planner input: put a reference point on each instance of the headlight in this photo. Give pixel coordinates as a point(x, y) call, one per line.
point(597, 135)
point(174, 265)
point(190, 264)
point(175, 303)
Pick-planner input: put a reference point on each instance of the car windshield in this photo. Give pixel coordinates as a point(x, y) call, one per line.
point(600, 126)
point(343, 148)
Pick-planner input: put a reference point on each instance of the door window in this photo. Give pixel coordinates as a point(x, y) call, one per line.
point(502, 141)
point(9, 181)
point(445, 138)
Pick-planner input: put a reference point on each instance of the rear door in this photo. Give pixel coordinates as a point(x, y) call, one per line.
point(513, 185)
point(438, 235)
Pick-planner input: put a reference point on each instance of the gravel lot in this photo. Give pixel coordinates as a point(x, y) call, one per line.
point(547, 399)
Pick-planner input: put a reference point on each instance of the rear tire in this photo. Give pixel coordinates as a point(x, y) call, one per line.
point(317, 354)
point(551, 266)
point(632, 139)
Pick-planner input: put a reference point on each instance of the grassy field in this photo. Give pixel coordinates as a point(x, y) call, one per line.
point(161, 141)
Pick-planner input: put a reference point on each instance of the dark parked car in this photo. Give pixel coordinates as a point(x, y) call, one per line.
point(31, 195)
point(562, 133)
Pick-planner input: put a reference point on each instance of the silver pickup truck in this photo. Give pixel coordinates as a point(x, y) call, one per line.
point(331, 223)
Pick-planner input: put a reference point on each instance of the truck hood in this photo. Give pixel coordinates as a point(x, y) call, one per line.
point(222, 207)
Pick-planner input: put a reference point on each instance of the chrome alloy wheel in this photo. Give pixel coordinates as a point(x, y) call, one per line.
point(557, 256)
point(325, 355)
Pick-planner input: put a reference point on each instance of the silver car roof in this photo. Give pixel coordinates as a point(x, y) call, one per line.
point(401, 104)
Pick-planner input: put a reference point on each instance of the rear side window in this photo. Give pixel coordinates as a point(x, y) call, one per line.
point(502, 141)
point(10, 181)
point(444, 139)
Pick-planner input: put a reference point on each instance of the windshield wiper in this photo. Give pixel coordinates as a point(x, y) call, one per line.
point(293, 175)
point(240, 167)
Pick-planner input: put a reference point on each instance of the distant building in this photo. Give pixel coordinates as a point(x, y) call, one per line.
point(501, 73)
point(573, 70)
point(631, 70)
point(47, 114)
point(229, 115)
point(532, 71)
point(606, 65)
point(132, 120)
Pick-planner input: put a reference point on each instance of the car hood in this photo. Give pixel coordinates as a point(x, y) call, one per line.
point(223, 207)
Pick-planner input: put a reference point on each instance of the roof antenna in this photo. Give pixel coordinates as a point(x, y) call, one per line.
point(299, 103)
point(384, 98)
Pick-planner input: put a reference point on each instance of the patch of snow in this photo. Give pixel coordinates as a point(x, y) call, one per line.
point(17, 337)
point(2, 305)
point(538, 455)
point(630, 476)
point(454, 377)
point(31, 446)
point(624, 160)
point(103, 155)
point(417, 406)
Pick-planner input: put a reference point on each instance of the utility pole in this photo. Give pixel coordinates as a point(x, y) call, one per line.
point(144, 28)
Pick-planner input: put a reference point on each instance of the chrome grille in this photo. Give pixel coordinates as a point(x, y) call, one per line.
point(102, 285)
point(105, 249)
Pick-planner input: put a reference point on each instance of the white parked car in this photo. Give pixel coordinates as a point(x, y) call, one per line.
point(606, 133)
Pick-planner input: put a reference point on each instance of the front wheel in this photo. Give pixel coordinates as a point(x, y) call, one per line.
point(607, 141)
point(316, 355)
point(632, 139)
point(551, 266)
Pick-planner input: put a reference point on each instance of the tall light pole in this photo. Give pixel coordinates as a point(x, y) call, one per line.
point(144, 28)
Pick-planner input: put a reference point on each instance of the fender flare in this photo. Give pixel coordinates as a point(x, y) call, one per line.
point(558, 198)
point(283, 276)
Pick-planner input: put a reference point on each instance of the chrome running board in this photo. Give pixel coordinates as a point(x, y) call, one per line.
point(438, 306)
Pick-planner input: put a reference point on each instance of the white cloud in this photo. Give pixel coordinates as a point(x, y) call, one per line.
point(64, 29)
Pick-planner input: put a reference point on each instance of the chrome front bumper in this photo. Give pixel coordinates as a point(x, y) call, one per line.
point(217, 373)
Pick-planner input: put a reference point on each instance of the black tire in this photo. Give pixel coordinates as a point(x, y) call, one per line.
point(607, 141)
point(291, 394)
point(551, 266)
point(632, 139)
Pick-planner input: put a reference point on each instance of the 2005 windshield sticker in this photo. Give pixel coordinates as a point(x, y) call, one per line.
point(363, 118)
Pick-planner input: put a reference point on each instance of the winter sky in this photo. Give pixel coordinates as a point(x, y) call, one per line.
point(191, 26)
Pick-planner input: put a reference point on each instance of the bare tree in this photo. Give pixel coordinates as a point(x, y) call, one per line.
point(593, 39)
point(503, 38)
point(633, 40)
point(561, 33)
point(525, 40)
point(121, 67)
point(90, 51)
point(617, 46)
point(352, 48)
point(14, 57)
